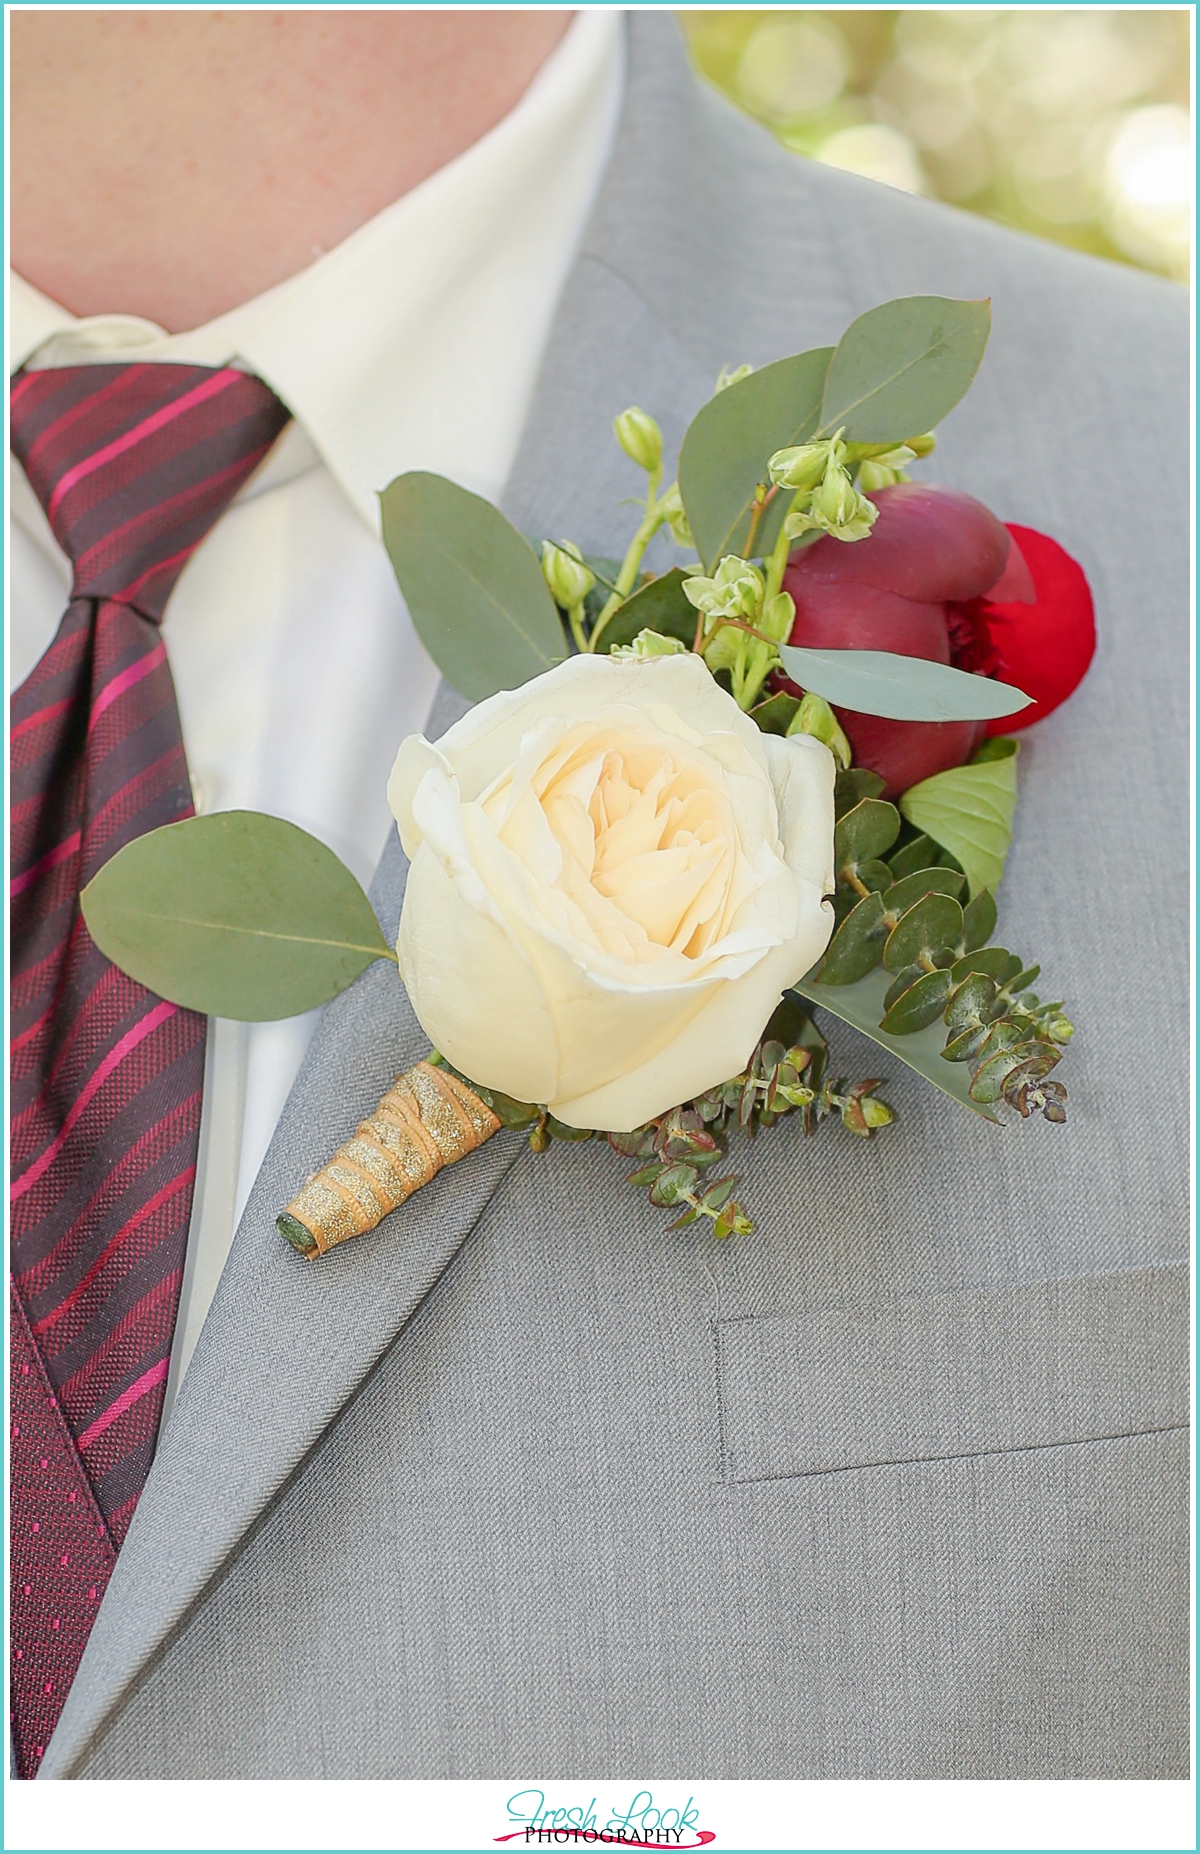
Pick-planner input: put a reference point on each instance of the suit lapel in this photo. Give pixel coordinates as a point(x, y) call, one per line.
point(287, 1342)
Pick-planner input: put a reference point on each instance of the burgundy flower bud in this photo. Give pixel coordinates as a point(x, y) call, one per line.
point(931, 551)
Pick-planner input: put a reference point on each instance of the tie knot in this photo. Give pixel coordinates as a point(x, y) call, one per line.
point(134, 463)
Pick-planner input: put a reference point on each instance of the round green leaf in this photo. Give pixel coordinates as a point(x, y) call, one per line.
point(924, 932)
point(907, 975)
point(236, 914)
point(979, 919)
point(903, 894)
point(855, 783)
point(996, 961)
point(920, 1005)
point(857, 945)
point(865, 832)
point(972, 1002)
point(472, 584)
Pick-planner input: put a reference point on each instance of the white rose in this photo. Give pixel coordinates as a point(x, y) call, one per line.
point(614, 876)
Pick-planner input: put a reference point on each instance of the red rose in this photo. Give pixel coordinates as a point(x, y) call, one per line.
point(940, 577)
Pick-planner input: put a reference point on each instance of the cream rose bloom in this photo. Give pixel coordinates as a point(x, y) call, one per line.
point(614, 876)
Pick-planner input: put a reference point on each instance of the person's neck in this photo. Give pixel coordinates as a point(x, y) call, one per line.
point(175, 164)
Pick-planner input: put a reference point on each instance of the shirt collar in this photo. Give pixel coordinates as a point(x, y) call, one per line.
point(414, 344)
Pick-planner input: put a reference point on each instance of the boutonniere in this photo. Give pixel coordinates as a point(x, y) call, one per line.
point(695, 813)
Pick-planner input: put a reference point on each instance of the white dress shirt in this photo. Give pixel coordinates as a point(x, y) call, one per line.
point(412, 345)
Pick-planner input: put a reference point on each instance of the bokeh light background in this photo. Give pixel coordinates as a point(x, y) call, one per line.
point(1073, 123)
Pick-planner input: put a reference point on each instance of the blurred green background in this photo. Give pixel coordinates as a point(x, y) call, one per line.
point(1073, 123)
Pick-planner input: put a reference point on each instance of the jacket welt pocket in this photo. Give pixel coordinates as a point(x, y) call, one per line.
point(1028, 1365)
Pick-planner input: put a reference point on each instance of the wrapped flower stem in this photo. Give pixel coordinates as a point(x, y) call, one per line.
point(427, 1119)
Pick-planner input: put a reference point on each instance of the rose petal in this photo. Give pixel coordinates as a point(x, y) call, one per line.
point(1046, 647)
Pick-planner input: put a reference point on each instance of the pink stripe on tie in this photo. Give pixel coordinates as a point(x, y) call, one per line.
point(145, 1383)
point(114, 1058)
point(58, 854)
point(40, 718)
point(135, 1222)
point(126, 680)
point(146, 429)
point(84, 408)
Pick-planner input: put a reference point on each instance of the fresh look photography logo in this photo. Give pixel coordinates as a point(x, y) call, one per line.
point(643, 1822)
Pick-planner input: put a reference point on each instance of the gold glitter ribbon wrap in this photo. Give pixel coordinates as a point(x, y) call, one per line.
point(427, 1119)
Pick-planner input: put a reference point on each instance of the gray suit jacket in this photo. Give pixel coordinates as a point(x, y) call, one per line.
point(895, 1487)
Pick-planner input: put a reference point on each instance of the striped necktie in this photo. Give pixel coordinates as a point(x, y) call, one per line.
point(133, 464)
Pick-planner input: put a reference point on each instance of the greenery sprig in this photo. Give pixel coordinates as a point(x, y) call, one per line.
point(787, 1073)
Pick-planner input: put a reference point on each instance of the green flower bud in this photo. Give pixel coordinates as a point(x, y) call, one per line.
point(639, 437)
point(897, 457)
point(650, 644)
point(873, 474)
point(923, 445)
point(563, 570)
point(778, 617)
point(837, 508)
point(814, 716)
point(729, 376)
point(734, 591)
point(800, 466)
point(676, 514)
point(834, 503)
point(725, 647)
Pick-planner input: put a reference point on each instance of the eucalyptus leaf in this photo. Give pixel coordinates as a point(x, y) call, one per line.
point(919, 1005)
point(917, 853)
point(857, 945)
point(969, 811)
point(236, 914)
point(864, 833)
point(725, 450)
point(861, 1006)
point(906, 977)
point(660, 605)
point(855, 783)
point(910, 889)
point(873, 873)
point(473, 585)
point(930, 927)
point(996, 961)
point(881, 682)
point(901, 367)
point(776, 714)
point(979, 920)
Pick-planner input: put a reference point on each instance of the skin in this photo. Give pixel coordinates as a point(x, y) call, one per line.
point(175, 164)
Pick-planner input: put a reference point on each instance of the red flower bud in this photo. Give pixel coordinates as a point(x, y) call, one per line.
point(1043, 646)
point(916, 586)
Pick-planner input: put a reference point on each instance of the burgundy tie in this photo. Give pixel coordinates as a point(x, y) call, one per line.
point(132, 464)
